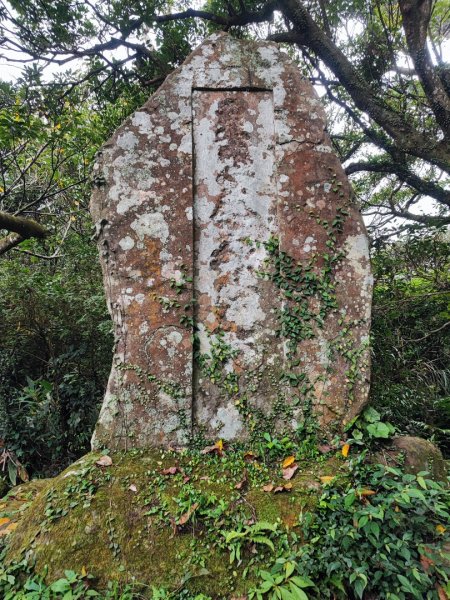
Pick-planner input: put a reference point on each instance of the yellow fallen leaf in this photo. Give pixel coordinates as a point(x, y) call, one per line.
point(440, 528)
point(326, 478)
point(287, 462)
point(4, 520)
point(83, 572)
point(366, 492)
point(219, 446)
point(345, 450)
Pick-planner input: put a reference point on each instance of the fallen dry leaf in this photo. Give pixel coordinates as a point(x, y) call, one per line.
point(289, 472)
point(187, 515)
point(104, 461)
point(170, 471)
point(326, 478)
point(324, 448)
point(366, 492)
point(4, 520)
point(249, 456)
point(287, 487)
point(186, 478)
point(270, 487)
point(441, 592)
point(217, 447)
point(83, 572)
point(345, 450)
point(426, 562)
point(287, 462)
point(133, 488)
point(241, 483)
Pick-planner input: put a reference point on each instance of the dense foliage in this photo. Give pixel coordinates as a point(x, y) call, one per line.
point(410, 336)
point(55, 354)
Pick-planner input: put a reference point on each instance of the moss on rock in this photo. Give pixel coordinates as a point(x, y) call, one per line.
point(159, 518)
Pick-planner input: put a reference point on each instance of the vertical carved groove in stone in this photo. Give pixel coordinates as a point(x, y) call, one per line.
point(195, 364)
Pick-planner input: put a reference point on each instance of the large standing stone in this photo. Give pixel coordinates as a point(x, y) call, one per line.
point(236, 265)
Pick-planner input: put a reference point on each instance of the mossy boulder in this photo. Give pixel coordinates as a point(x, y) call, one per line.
point(415, 455)
point(161, 517)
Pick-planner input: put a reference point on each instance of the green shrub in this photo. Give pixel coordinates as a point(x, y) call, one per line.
point(55, 354)
point(410, 336)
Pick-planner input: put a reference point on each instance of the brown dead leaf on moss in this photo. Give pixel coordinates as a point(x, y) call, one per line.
point(218, 448)
point(241, 483)
point(441, 593)
point(187, 515)
point(324, 448)
point(170, 471)
point(276, 489)
point(289, 472)
point(104, 461)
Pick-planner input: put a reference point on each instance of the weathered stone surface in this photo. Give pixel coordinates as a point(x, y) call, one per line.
point(236, 265)
point(414, 454)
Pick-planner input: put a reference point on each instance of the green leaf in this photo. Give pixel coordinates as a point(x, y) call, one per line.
point(371, 415)
point(302, 581)
point(421, 482)
point(289, 568)
point(60, 586)
point(297, 593)
point(349, 499)
point(379, 430)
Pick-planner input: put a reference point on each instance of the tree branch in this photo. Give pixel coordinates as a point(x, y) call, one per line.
point(409, 140)
point(405, 174)
point(9, 242)
point(26, 228)
point(416, 17)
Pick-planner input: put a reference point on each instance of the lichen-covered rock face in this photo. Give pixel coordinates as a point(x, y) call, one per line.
point(236, 266)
